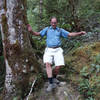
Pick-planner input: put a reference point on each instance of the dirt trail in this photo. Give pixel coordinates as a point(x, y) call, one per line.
point(63, 92)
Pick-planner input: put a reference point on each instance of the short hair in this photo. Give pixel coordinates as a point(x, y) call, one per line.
point(53, 17)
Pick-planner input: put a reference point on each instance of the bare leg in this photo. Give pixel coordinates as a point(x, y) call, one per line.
point(56, 71)
point(49, 70)
point(50, 79)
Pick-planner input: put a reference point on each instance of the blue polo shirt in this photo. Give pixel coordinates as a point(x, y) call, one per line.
point(53, 35)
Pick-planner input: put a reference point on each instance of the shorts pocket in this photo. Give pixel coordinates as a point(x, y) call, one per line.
point(61, 50)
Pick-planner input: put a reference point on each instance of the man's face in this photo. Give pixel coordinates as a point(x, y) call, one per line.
point(53, 22)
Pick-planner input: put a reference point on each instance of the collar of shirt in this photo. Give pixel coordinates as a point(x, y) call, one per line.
point(53, 28)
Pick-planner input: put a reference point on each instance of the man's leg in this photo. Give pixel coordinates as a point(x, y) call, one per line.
point(50, 78)
point(56, 71)
point(49, 72)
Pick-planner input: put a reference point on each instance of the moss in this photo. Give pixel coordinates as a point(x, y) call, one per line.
point(4, 26)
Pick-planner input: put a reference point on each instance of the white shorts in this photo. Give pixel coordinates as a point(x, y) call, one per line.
point(54, 55)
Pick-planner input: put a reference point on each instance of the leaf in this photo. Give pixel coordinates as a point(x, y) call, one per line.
point(15, 98)
point(98, 68)
point(93, 65)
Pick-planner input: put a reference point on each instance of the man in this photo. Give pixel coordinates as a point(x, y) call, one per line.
point(53, 51)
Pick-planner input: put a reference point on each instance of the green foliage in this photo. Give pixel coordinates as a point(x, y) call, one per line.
point(74, 15)
point(84, 72)
point(15, 98)
point(71, 44)
point(31, 12)
point(90, 82)
point(85, 87)
point(96, 65)
point(66, 26)
point(89, 10)
point(97, 59)
point(85, 13)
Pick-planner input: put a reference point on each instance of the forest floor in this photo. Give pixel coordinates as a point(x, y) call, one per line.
point(64, 91)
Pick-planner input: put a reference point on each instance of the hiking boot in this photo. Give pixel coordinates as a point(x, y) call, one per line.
point(51, 87)
point(56, 81)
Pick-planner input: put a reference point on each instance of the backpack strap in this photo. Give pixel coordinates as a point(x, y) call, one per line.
point(47, 30)
point(59, 30)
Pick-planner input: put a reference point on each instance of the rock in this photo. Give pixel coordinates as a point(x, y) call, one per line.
point(63, 92)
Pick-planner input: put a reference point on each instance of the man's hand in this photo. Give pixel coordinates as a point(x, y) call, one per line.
point(32, 32)
point(82, 32)
point(29, 27)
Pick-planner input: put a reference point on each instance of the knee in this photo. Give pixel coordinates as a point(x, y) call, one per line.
point(48, 65)
point(57, 67)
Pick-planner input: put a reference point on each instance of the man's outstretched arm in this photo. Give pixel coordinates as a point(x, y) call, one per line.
point(72, 34)
point(30, 30)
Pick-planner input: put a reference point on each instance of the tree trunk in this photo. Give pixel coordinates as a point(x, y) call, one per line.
point(74, 16)
point(41, 8)
point(19, 56)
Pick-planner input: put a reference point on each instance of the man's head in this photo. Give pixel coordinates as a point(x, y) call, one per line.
point(53, 22)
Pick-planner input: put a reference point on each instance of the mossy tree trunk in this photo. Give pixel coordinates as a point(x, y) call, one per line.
point(19, 56)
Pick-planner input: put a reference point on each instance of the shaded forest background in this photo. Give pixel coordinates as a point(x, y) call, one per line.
point(73, 15)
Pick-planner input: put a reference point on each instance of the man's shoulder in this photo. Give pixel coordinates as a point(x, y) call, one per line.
point(59, 29)
point(47, 28)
